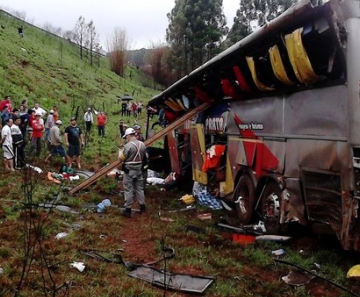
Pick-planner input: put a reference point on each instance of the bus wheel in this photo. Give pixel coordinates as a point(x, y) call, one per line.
point(244, 199)
point(270, 208)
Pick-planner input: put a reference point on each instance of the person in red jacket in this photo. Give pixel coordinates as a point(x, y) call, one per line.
point(101, 122)
point(37, 134)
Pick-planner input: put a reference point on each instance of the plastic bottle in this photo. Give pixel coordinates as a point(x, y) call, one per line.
point(100, 207)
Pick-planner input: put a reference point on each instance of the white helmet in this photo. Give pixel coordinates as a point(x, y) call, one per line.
point(129, 131)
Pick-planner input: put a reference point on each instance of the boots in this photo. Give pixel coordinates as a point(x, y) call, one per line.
point(126, 212)
point(142, 208)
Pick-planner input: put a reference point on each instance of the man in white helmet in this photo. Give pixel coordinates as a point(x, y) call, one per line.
point(133, 156)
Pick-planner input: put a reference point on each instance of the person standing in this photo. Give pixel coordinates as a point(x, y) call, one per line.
point(18, 143)
point(21, 31)
point(50, 122)
point(74, 140)
point(89, 120)
point(6, 102)
point(6, 141)
point(101, 119)
point(37, 134)
point(39, 110)
point(56, 143)
point(133, 156)
point(123, 108)
point(138, 133)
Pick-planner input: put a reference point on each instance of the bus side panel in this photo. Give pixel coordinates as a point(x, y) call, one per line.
point(317, 112)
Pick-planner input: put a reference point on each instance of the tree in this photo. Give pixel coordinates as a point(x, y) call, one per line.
point(92, 41)
point(195, 32)
point(117, 49)
point(80, 32)
point(255, 11)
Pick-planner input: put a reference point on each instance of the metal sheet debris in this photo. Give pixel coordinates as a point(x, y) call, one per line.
point(173, 281)
point(276, 238)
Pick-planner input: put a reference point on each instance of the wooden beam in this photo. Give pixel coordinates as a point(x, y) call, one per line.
point(104, 170)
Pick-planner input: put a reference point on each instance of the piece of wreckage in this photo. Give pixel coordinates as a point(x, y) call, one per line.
point(157, 277)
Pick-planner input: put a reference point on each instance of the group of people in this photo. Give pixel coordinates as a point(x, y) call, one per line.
point(24, 125)
point(101, 121)
point(131, 108)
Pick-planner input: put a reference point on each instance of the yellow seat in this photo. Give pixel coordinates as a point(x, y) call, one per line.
point(299, 59)
point(278, 66)
point(262, 87)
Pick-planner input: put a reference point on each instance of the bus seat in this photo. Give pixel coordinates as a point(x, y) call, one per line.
point(278, 66)
point(299, 59)
point(262, 87)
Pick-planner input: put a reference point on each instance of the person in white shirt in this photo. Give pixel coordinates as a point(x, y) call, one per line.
point(40, 111)
point(89, 120)
point(7, 145)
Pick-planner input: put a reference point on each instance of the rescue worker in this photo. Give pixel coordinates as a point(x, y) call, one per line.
point(133, 156)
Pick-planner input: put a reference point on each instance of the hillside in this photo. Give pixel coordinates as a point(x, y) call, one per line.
point(42, 67)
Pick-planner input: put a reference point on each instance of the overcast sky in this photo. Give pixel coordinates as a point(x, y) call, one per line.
point(144, 21)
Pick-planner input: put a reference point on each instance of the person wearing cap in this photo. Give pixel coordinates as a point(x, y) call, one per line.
point(37, 134)
point(74, 140)
point(50, 122)
point(88, 119)
point(39, 110)
point(133, 156)
point(138, 133)
point(56, 142)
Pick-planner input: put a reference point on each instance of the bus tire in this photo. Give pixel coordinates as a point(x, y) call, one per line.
point(244, 199)
point(270, 208)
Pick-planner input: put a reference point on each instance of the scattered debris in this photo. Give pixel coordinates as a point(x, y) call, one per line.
point(103, 205)
point(62, 208)
point(187, 199)
point(78, 265)
point(276, 238)
point(278, 252)
point(167, 219)
point(297, 278)
point(243, 239)
point(204, 216)
point(173, 281)
point(354, 272)
point(35, 168)
point(61, 235)
point(316, 275)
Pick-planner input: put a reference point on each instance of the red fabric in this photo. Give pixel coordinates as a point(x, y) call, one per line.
point(201, 95)
point(170, 116)
point(5, 102)
point(101, 119)
point(38, 129)
point(213, 161)
point(229, 90)
point(241, 80)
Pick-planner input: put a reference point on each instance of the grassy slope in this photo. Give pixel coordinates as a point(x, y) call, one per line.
point(44, 68)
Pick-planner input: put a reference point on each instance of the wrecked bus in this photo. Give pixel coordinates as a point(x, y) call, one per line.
point(281, 137)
